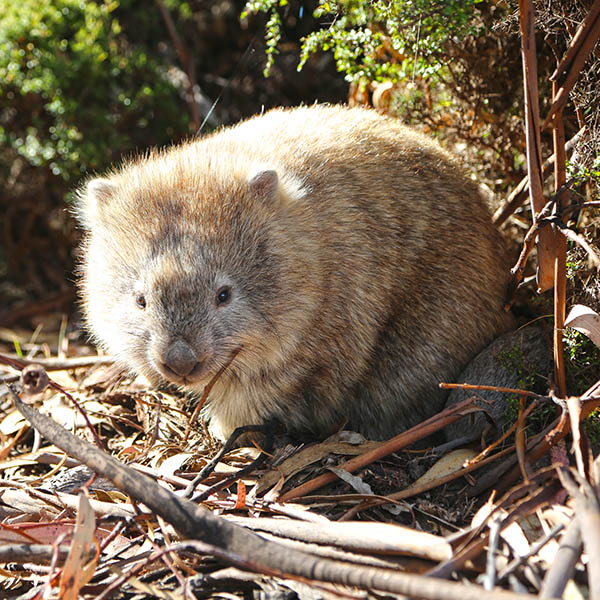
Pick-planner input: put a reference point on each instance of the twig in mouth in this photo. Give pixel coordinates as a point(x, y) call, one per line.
point(206, 392)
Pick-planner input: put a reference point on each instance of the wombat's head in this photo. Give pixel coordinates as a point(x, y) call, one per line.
point(180, 271)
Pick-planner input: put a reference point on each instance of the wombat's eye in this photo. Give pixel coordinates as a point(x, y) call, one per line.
point(223, 295)
point(140, 301)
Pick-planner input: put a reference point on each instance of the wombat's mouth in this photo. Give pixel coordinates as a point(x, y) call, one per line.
point(180, 365)
point(199, 372)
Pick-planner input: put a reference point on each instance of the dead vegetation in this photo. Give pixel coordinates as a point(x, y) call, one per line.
point(322, 519)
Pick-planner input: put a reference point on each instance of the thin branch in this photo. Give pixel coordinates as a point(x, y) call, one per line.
point(402, 440)
point(519, 193)
point(545, 241)
point(560, 260)
point(570, 66)
point(187, 62)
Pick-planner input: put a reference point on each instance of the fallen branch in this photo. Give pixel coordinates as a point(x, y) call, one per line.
point(59, 364)
point(563, 565)
point(369, 537)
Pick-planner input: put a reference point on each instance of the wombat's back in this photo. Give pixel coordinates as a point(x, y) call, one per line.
point(361, 269)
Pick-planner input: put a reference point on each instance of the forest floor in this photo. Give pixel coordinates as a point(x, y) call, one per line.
point(481, 518)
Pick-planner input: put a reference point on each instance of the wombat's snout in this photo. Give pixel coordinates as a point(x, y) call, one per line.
point(180, 363)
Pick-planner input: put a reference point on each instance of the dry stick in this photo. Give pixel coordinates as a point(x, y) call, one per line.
point(563, 565)
point(587, 513)
point(557, 431)
point(187, 62)
point(581, 241)
point(402, 440)
point(243, 472)
point(415, 490)
point(515, 501)
point(206, 392)
point(523, 414)
point(495, 525)
point(365, 537)
point(560, 260)
point(206, 549)
point(475, 463)
point(490, 477)
point(116, 531)
point(517, 196)
point(492, 388)
point(570, 66)
point(539, 495)
point(533, 551)
point(29, 553)
point(543, 441)
point(168, 558)
point(62, 364)
point(540, 222)
point(545, 242)
point(198, 523)
point(520, 439)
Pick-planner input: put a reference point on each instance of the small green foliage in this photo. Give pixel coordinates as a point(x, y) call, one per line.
point(581, 172)
point(574, 266)
point(591, 427)
point(272, 27)
point(514, 361)
point(377, 40)
point(582, 361)
point(75, 92)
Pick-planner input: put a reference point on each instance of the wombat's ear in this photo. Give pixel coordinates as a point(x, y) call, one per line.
point(264, 184)
point(91, 200)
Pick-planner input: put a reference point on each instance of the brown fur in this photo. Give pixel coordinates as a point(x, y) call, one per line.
point(361, 274)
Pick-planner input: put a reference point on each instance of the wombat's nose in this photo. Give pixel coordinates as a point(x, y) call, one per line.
point(180, 359)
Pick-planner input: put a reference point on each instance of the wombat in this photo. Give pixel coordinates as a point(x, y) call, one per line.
point(345, 256)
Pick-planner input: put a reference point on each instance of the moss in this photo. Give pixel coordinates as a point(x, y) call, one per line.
point(515, 361)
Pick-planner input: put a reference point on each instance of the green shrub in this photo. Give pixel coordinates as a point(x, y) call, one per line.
point(75, 93)
point(379, 39)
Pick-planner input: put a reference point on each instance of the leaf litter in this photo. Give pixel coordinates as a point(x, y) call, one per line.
point(67, 533)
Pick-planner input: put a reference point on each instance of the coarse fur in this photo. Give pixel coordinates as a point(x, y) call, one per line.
point(345, 254)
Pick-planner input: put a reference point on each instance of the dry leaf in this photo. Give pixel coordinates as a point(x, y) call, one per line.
point(483, 513)
point(170, 465)
point(513, 535)
point(449, 463)
point(76, 573)
point(586, 321)
point(309, 455)
point(354, 481)
point(12, 422)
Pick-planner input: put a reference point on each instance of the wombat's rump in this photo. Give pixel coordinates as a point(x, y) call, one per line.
point(346, 255)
